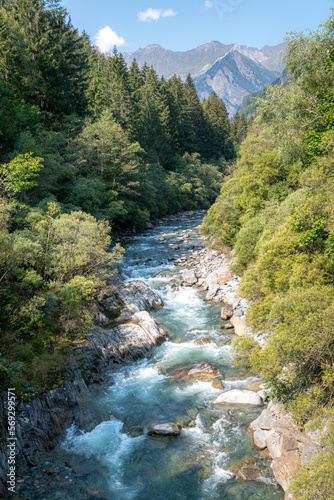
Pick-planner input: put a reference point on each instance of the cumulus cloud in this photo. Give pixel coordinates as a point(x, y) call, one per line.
point(106, 39)
point(208, 4)
point(154, 14)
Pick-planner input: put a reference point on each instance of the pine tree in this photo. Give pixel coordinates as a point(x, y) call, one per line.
point(43, 58)
point(196, 115)
point(116, 88)
point(219, 141)
point(180, 124)
point(153, 120)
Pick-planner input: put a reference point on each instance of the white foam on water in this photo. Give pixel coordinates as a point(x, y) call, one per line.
point(140, 381)
point(108, 444)
point(218, 427)
point(197, 434)
point(201, 389)
point(240, 384)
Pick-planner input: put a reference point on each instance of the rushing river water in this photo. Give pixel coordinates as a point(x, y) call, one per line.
point(123, 461)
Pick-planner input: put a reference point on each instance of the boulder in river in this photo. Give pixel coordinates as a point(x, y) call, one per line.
point(189, 277)
point(249, 473)
point(202, 371)
point(212, 279)
point(137, 296)
point(213, 289)
point(204, 340)
point(218, 384)
point(227, 326)
point(140, 295)
point(239, 397)
point(164, 429)
point(226, 314)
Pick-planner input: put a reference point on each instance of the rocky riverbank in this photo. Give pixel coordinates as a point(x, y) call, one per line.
point(274, 431)
point(124, 332)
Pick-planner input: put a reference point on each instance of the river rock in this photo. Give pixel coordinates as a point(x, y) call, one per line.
point(249, 473)
point(212, 279)
point(226, 314)
point(224, 278)
point(259, 439)
point(164, 429)
point(232, 299)
point(218, 384)
point(205, 340)
point(274, 444)
point(213, 289)
point(240, 326)
point(263, 422)
point(285, 467)
point(202, 371)
point(239, 397)
point(111, 304)
point(189, 277)
point(137, 296)
point(227, 326)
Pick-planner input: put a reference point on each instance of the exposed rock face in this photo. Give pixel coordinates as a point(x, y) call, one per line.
point(164, 429)
point(276, 431)
point(232, 77)
point(41, 420)
point(137, 296)
point(239, 397)
point(202, 371)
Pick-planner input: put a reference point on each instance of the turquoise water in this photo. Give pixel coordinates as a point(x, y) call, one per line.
point(125, 463)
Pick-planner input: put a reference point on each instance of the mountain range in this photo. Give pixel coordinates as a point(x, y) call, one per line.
point(232, 71)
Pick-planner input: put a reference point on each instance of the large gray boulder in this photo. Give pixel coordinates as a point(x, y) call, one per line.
point(189, 277)
point(136, 293)
point(213, 289)
point(164, 429)
point(134, 339)
point(239, 397)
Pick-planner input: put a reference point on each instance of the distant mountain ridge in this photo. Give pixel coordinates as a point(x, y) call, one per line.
point(232, 71)
point(232, 78)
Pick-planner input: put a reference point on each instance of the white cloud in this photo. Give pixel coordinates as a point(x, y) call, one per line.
point(208, 4)
point(154, 14)
point(168, 13)
point(106, 39)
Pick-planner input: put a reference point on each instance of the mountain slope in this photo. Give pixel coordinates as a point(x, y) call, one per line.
point(197, 61)
point(233, 77)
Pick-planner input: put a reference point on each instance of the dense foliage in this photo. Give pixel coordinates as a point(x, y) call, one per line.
point(86, 142)
point(277, 209)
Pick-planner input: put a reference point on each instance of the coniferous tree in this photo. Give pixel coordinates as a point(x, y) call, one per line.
point(153, 120)
point(116, 88)
point(196, 115)
point(180, 124)
point(43, 57)
point(219, 141)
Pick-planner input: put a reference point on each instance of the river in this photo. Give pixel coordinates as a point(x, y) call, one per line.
point(122, 461)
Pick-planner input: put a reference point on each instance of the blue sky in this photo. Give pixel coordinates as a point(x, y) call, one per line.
point(183, 25)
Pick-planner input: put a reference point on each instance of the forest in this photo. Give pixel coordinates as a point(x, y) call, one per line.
point(276, 209)
point(87, 144)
